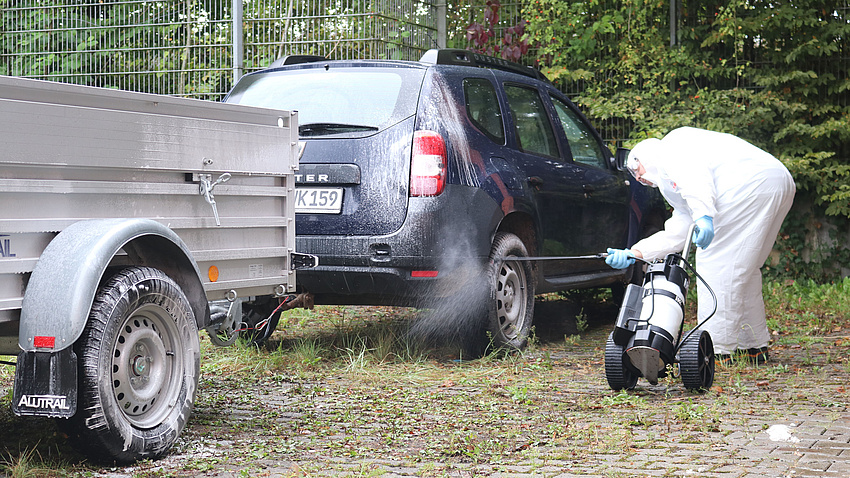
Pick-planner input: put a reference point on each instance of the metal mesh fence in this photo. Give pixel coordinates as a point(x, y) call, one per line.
point(197, 48)
point(169, 47)
point(187, 47)
point(338, 29)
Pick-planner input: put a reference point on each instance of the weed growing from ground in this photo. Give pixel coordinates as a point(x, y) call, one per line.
point(581, 321)
point(623, 398)
point(309, 350)
point(26, 464)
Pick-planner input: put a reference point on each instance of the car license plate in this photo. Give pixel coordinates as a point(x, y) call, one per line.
point(318, 200)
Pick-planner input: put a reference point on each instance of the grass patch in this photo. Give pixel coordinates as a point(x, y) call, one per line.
point(28, 463)
point(806, 308)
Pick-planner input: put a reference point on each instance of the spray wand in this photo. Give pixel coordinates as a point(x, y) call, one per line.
point(601, 255)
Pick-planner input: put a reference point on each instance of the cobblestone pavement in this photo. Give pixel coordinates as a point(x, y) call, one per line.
point(549, 413)
point(809, 445)
point(787, 419)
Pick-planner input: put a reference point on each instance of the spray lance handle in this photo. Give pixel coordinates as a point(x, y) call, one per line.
point(688, 241)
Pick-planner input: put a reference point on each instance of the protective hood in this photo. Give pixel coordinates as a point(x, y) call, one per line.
point(647, 153)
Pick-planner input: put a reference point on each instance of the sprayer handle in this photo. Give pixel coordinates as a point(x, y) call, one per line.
point(688, 241)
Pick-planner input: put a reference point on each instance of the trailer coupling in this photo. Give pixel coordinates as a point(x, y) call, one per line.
point(255, 318)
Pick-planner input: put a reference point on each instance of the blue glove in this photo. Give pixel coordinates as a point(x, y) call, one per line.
point(704, 232)
point(619, 258)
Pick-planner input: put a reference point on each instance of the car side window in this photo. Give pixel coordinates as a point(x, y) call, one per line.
point(583, 144)
point(482, 107)
point(533, 129)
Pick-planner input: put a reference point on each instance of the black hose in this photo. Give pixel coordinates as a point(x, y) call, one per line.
point(713, 297)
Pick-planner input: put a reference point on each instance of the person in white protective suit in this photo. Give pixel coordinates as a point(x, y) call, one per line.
point(738, 196)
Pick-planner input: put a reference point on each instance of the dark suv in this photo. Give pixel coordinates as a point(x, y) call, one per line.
point(423, 183)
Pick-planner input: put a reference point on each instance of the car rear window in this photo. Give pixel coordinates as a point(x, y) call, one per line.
point(369, 97)
point(483, 109)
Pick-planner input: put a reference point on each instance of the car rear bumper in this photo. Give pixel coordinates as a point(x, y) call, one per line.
point(365, 285)
point(440, 237)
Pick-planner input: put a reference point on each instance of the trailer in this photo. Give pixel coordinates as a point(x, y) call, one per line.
point(125, 219)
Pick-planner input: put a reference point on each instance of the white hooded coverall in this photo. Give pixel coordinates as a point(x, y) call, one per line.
point(747, 192)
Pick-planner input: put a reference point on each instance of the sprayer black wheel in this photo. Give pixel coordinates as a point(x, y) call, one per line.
point(511, 308)
point(139, 358)
point(618, 375)
point(696, 361)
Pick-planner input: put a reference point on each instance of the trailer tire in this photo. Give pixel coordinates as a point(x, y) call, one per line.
point(139, 361)
point(511, 309)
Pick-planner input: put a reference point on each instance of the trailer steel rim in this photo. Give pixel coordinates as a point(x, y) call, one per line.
point(146, 368)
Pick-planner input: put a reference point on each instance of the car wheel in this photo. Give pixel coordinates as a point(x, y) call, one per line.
point(139, 358)
point(511, 309)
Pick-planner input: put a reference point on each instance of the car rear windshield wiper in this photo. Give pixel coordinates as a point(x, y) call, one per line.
point(317, 129)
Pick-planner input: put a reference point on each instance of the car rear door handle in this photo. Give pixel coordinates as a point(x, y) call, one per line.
point(535, 181)
point(587, 190)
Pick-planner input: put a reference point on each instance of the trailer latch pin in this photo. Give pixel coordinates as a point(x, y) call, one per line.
point(206, 190)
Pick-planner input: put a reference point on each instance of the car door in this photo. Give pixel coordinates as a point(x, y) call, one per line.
point(605, 211)
point(555, 182)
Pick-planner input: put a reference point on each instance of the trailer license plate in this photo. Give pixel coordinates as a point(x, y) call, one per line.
point(318, 200)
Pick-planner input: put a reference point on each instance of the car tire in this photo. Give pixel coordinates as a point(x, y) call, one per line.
point(511, 283)
point(139, 358)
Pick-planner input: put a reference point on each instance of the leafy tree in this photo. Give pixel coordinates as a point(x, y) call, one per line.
point(508, 42)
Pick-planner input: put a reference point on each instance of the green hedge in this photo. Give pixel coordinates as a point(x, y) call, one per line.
point(774, 73)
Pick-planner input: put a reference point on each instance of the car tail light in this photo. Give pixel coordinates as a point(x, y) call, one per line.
point(428, 164)
point(424, 273)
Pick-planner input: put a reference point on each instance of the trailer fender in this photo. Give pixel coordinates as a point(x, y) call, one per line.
point(63, 284)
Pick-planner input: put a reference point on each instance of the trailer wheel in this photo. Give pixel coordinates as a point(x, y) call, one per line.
point(696, 361)
point(511, 310)
point(139, 358)
point(618, 374)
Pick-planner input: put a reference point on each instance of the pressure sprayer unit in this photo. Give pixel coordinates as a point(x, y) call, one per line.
point(647, 338)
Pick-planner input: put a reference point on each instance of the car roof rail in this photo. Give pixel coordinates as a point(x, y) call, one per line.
point(469, 58)
point(296, 59)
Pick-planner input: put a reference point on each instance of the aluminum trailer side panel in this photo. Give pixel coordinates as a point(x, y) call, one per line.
point(74, 153)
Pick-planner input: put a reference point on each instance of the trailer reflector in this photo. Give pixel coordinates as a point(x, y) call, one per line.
point(212, 273)
point(43, 342)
